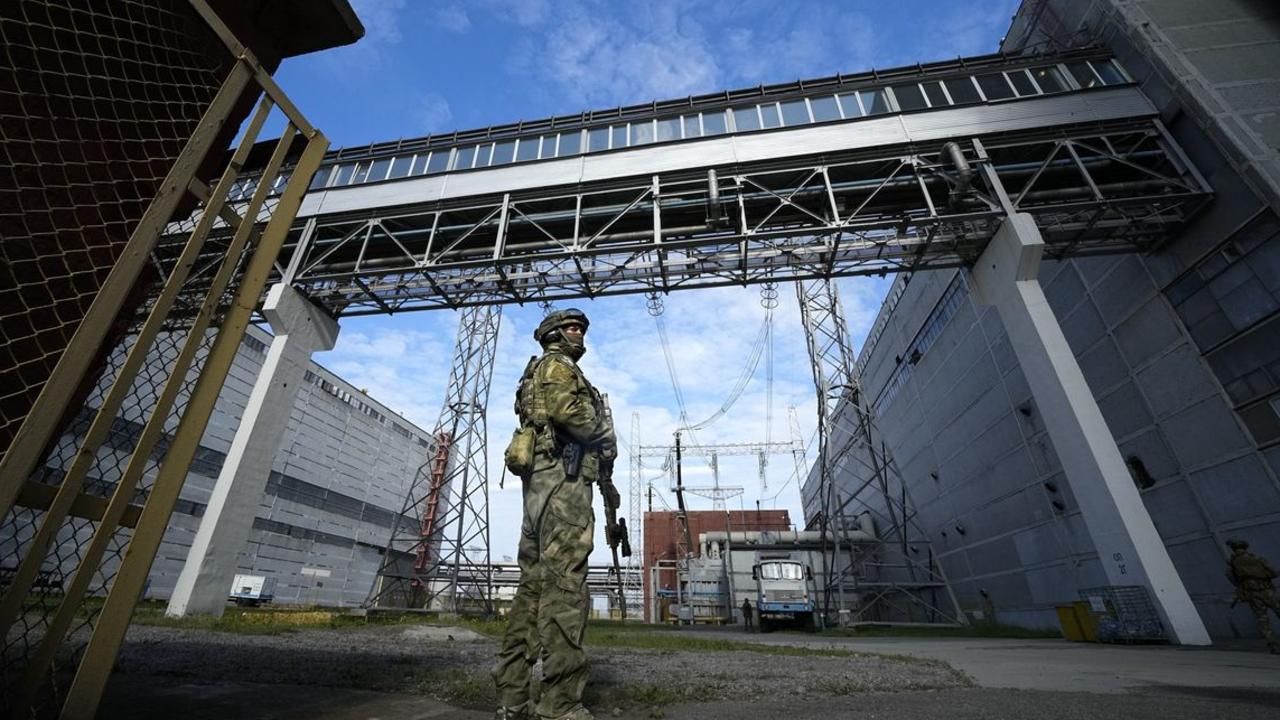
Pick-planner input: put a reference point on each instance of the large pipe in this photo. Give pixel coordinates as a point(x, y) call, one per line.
point(952, 153)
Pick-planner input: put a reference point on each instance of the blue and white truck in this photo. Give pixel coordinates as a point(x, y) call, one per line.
point(782, 592)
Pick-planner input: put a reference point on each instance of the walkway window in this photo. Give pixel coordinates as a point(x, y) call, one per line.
point(343, 176)
point(795, 112)
point(713, 123)
point(321, 177)
point(548, 147)
point(995, 86)
point(464, 157)
point(692, 126)
point(379, 169)
point(597, 139)
point(642, 132)
point(1107, 70)
point(824, 108)
point(1022, 83)
point(570, 143)
point(483, 154)
point(874, 102)
point(909, 97)
point(400, 166)
point(1049, 78)
point(849, 103)
point(963, 91)
point(618, 135)
point(769, 115)
point(527, 149)
point(504, 152)
point(937, 97)
point(668, 129)
point(439, 161)
point(746, 118)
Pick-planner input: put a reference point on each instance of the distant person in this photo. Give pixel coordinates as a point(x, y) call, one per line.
point(746, 614)
point(565, 443)
point(1252, 576)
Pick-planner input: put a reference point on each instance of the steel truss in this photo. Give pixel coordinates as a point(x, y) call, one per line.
point(894, 578)
point(1098, 189)
point(439, 561)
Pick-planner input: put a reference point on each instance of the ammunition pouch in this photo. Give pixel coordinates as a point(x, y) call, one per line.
point(519, 455)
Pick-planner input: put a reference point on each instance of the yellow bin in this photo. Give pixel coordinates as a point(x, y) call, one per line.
point(1078, 624)
point(1071, 629)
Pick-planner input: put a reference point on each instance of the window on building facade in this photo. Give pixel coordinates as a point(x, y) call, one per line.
point(713, 123)
point(746, 118)
point(912, 96)
point(570, 143)
point(668, 129)
point(937, 96)
point(962, 91)
point(909, 97)
point(824, 108)
point(849, 104)
point(795, 112)
point(527, 149)
point(597, 139)
point(995, 86)
point(874, 102)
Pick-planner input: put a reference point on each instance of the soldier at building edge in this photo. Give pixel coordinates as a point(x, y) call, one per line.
point(564, 444)
point(1252, 576)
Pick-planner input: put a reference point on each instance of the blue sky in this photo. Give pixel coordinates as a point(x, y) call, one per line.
point(429, 66)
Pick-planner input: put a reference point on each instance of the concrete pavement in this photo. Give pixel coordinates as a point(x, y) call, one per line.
point(1059, 665)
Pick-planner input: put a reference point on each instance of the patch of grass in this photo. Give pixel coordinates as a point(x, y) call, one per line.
point(651, 695)
point(467, 688)
point(274, 621)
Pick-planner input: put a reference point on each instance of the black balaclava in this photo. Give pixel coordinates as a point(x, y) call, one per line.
point(573, 346)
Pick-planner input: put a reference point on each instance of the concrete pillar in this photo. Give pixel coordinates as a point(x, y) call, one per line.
point(300, 329)
point(1131, 551)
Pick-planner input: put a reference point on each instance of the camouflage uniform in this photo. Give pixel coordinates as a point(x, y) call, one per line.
point(549, 613)
point(1252, 576)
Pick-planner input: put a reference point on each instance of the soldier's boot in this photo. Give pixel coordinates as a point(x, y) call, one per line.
point(578, 713)
point(521, 712)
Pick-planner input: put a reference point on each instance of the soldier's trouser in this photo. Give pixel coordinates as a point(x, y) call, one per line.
point(549, 613)
point(1263, 603)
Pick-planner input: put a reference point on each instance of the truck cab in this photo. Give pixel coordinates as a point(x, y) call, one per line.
point(782, 593)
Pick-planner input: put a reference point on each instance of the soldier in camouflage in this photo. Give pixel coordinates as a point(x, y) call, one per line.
point(549, 613)
point(1252, 576)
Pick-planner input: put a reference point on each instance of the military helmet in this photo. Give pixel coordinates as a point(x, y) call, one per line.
point(1235, 544)
point(559, 319)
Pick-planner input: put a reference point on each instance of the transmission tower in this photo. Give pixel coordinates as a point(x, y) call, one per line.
point(894, 577)
point(634, 587)
point(437, 558)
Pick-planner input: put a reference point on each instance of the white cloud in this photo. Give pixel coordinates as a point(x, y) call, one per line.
point(451, 16)
point(381, 20)
point(435, 113)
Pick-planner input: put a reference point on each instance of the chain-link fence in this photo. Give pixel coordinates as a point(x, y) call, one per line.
point(97, 100)
point(129, 323)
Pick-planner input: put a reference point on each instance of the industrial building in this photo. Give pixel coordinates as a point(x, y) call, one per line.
point(665, 546)
point(336, 486)
point(1180, 346)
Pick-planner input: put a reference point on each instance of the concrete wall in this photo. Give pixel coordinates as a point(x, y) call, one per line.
point(1181, 348)
point(336, 486)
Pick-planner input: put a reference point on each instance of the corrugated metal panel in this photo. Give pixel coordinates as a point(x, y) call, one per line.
point(1108, 104)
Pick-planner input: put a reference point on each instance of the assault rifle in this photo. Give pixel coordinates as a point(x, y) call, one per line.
point(615, 528)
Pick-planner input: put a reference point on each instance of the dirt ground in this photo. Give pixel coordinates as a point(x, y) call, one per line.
point(393, 672)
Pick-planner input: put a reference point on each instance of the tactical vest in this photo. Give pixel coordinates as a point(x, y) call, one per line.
point(531, 406)
point(1251, 571)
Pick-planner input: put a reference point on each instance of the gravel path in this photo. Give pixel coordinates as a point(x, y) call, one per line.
point(453, 664)
point(399, 672)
